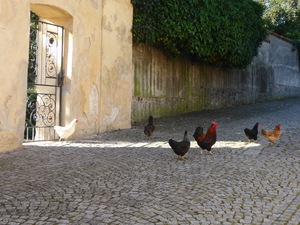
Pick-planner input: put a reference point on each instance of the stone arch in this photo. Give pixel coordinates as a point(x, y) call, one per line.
point(51, 13)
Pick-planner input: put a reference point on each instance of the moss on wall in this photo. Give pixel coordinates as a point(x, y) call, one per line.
point(165, 85)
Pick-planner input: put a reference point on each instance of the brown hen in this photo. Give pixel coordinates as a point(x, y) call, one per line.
point(272, 135)
point(149, 128)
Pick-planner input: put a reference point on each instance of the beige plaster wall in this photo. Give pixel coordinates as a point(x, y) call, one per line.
point(13, 67)
point(97, 64)
point(116, 78)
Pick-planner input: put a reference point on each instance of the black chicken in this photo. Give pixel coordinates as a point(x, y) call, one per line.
point(149, 128)
point(252, 134)
point(182, 147)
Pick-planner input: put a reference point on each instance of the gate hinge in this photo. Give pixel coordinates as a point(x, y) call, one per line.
point(60, 79)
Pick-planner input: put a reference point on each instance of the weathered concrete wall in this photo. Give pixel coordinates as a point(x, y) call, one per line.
point(166, 85)
point(97, 64)
point(284, 60)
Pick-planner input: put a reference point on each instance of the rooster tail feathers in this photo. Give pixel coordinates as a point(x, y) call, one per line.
point(198, 129)
point(198, 132)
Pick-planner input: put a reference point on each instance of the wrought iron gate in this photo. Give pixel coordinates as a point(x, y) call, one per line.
point(45, 76)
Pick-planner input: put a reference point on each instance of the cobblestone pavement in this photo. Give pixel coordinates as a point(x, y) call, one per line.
point(122, 178)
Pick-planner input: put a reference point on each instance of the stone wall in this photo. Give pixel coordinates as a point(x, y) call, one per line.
point(165, 85)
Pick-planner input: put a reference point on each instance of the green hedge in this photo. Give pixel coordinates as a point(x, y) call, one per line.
point(219, 32)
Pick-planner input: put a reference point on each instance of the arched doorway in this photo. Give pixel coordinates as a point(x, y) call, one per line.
point(45, 74)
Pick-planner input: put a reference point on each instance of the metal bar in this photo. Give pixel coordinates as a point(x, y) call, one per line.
point(62, 77)
point(49, 77)
point(52, 32)
point(47, 23)
point(26, 133)
point(46, 85)
point(33, 134)
point(40, 93)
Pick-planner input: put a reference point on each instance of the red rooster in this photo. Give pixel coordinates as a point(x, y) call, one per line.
point(206, 141)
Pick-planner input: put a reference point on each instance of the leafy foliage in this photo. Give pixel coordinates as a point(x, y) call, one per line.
point(283, 17)
point(223, 33)
point(32, 49)
point(31, 92)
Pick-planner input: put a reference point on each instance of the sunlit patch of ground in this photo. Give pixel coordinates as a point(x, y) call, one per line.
point(142, 144)
point(236, 144)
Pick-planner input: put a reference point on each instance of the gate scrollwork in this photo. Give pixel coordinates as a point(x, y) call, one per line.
point(44, 81)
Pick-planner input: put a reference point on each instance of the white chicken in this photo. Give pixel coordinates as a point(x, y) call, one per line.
point(67, 131)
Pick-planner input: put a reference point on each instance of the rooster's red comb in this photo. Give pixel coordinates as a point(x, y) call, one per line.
point(214, 123)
